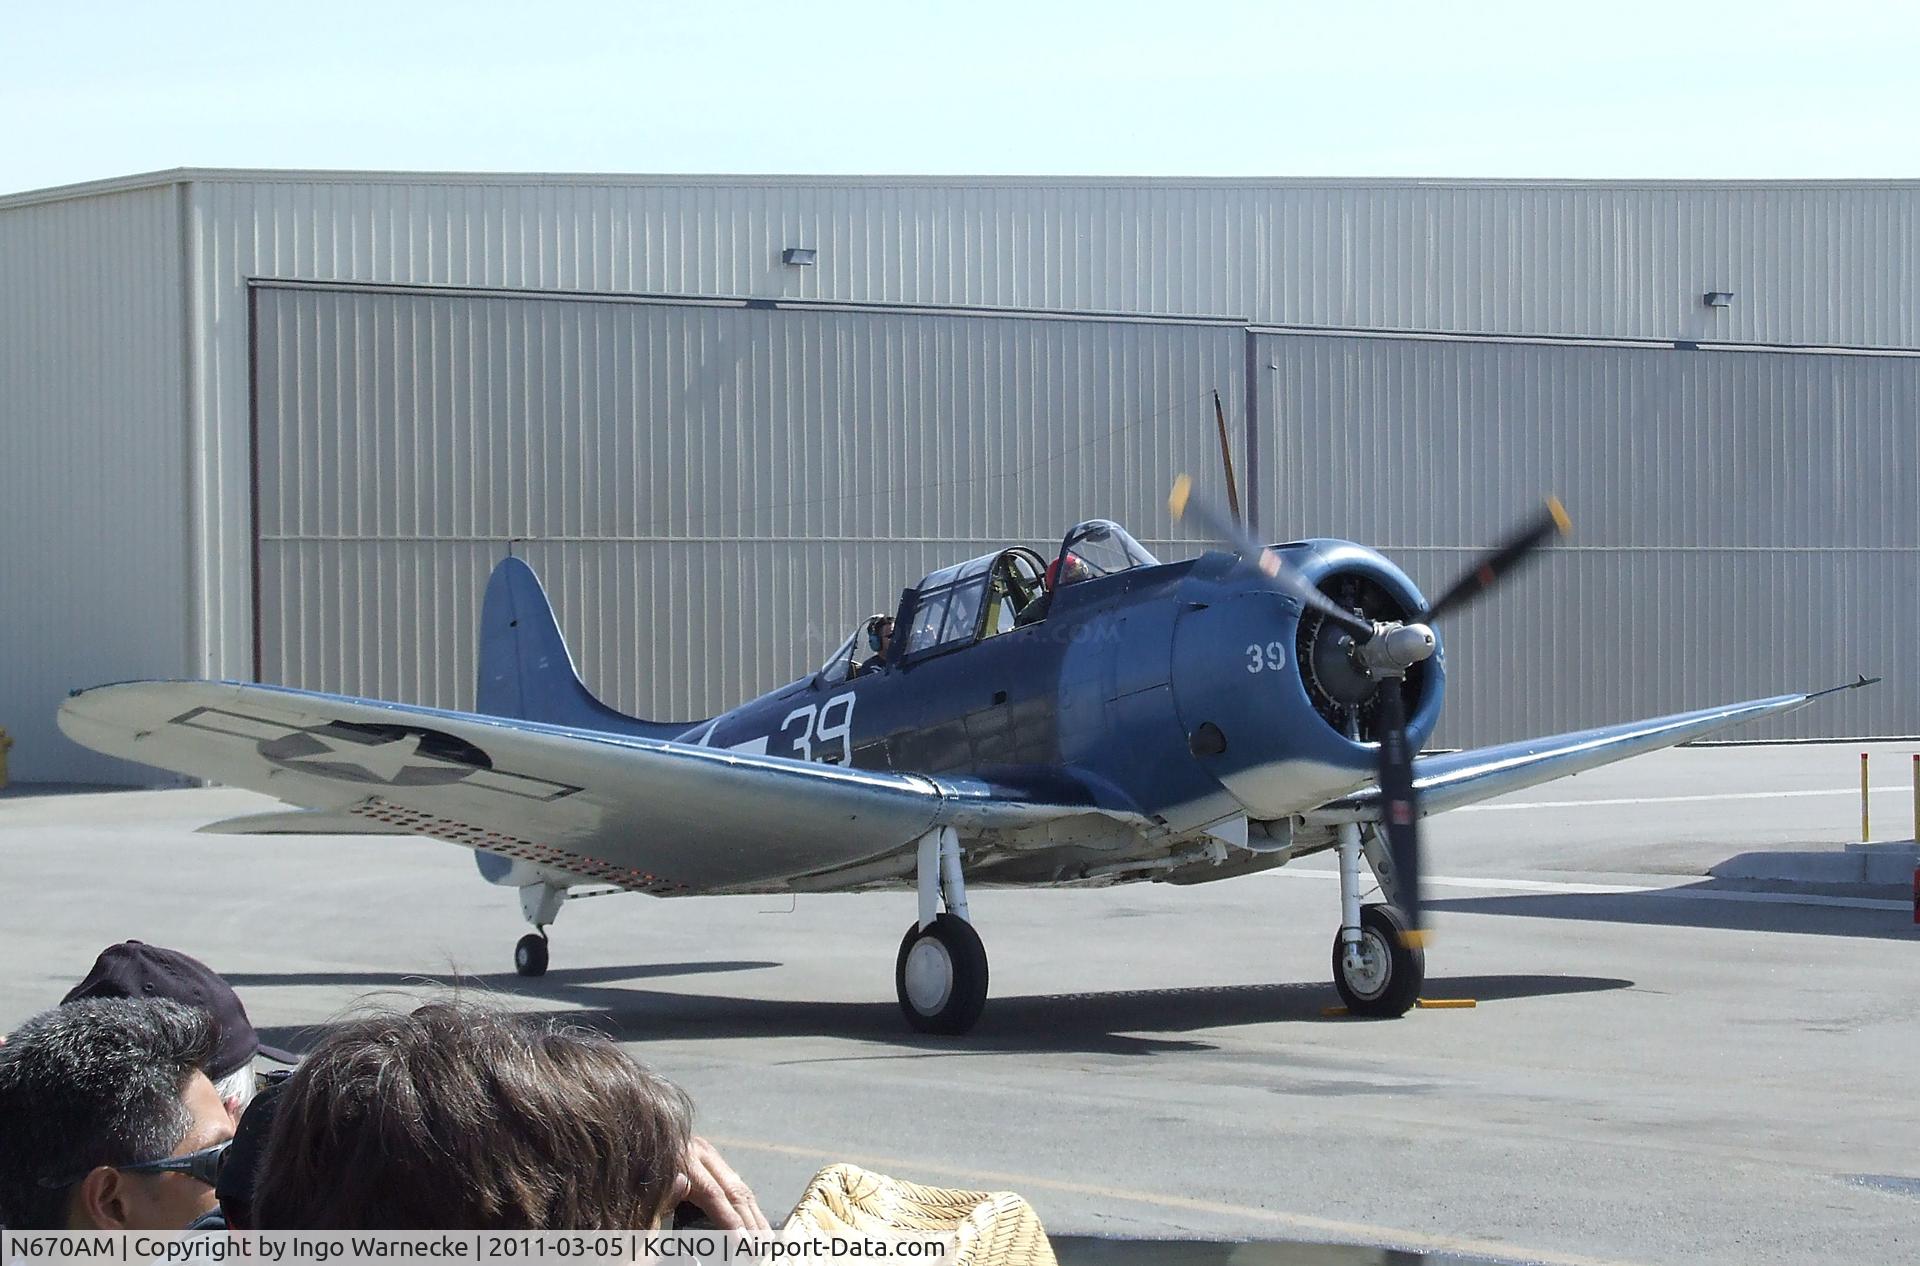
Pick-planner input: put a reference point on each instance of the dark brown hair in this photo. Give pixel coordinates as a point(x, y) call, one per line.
point(454, 1117)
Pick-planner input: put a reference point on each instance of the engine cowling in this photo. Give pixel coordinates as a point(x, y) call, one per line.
point(1273, 704)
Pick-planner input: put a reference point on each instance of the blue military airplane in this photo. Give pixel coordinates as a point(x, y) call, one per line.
point(1097, 718)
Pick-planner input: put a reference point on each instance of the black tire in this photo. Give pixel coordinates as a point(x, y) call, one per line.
point(530, 954)
point(1381, 929)
point(950, 976)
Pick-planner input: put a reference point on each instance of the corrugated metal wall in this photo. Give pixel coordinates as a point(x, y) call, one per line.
point(1825, 263)
point(93, 464)
point(717, 493)
point(1745, 522)
point(714, 494)
point(1834, 263)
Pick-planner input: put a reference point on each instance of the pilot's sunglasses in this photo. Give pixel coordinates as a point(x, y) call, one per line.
point(202, 1166)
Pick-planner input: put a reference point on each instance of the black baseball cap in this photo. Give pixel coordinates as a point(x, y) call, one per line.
point(134, 969)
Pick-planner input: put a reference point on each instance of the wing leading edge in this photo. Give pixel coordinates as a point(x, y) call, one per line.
point(1461, 778)
point(643, 813)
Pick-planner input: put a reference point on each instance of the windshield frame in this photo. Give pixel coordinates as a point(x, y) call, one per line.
point(1132, 555)
point(842, 660)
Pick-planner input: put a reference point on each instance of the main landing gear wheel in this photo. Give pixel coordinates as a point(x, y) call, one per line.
point(530, 955)
point(1386, 980)
point(941, 976)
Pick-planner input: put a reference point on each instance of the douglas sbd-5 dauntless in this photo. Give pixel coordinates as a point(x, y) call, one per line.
point(1101, 718)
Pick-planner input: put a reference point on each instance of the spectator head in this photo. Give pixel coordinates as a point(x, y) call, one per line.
point(241, 1165)
point(94, 1095)
point(133, 969)
point(457, 1117)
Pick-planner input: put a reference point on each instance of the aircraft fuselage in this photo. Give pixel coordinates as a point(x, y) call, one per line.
point(1175, 691)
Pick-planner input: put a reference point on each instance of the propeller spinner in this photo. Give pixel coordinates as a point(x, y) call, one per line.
point(1383, 651)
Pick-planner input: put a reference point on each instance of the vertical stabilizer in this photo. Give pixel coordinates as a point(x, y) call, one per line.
point(525, 670)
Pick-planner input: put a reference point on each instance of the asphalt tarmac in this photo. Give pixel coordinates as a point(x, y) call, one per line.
point(1660, 1067)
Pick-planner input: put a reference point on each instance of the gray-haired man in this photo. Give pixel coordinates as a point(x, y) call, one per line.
point(111, 1122)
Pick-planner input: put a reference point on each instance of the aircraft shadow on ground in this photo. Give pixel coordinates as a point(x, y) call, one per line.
point(1654, 908)
point(506, 982)
point(1123, 1022)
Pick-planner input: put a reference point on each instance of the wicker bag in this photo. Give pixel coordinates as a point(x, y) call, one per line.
point(994, 1228)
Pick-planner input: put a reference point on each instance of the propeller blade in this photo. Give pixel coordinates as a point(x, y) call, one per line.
point(1500, 562)
point(1226, 458)
point(1241, 541)
point(1400, 808)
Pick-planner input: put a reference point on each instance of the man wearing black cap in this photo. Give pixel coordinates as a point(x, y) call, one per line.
point(134, 969)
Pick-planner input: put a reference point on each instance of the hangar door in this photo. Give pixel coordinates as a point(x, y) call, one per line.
point(714, 493)
point(1746, 522)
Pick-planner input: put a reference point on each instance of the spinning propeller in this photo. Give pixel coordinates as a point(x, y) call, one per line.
point(1383, 651)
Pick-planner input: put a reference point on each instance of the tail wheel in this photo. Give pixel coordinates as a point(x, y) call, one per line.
point(941, 976)
point(1385, 977)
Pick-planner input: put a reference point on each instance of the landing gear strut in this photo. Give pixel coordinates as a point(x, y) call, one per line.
point(541, 904)
point(940, 975)
point(1374, 969)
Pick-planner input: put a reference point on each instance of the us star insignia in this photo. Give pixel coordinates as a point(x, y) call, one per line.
point(376, 755)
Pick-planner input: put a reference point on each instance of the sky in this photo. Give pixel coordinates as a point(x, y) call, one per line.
point(1386, 89)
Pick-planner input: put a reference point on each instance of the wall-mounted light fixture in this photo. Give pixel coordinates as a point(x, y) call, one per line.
point(1718, 298)
point(801, 255)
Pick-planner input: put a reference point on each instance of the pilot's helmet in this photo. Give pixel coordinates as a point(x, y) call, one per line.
point(1066, 569)
point(876, 625)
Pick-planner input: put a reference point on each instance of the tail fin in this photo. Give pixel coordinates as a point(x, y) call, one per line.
point(525, 670)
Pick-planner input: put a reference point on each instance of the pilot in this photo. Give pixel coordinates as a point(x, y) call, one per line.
point(1066, 569)
point(1061, 571)
point(880, 639)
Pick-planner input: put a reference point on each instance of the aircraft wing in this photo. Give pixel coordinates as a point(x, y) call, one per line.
point(1460, 778)
point(643, 813)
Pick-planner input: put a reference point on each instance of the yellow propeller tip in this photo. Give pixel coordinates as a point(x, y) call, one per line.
point(1177, 499)
point(1559, 513)
point(1414, 939)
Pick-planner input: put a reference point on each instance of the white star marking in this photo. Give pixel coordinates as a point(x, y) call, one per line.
point(381, 760)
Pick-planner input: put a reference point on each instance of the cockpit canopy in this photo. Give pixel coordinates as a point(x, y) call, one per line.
point(989, 595)
point(981, 597)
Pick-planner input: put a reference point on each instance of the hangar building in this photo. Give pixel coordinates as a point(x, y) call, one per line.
point(278, 425)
